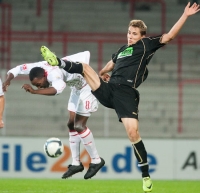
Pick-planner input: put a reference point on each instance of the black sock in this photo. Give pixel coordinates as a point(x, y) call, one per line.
point(141, 155)
point(71, 67)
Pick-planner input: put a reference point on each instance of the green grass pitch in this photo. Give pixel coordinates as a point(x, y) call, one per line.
point(94, 186)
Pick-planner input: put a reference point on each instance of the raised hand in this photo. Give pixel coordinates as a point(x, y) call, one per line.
point(105, 77)
point(192, 10)
point(5, 85)
point(28, 88)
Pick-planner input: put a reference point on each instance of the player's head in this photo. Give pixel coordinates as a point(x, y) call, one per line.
point(136, 31)
point(38, 77)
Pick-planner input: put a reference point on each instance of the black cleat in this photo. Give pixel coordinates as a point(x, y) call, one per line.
point(72, 170)
point(93, 169)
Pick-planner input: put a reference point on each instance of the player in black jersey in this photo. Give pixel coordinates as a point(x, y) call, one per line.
point(129, 70)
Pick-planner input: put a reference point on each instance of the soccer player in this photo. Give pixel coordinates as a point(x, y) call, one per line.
point(52, 81)
point(129, 70)
point(2, 104)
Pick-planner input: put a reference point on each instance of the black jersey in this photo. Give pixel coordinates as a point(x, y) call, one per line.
point(131, 61)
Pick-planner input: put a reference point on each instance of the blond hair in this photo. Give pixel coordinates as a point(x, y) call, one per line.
point(140, 24)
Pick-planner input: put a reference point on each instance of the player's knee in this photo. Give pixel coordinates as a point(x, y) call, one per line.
point(70, 125)
point(79, 127)
point(133, 135)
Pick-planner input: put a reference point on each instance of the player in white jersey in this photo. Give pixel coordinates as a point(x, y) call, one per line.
point(52, 81)
point(2, 103)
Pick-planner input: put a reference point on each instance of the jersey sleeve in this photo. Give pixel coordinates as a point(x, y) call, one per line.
point(56, 80)
point(59, 85)
point(153, 43)
point(25, 68)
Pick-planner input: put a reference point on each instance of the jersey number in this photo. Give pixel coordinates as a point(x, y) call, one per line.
point(87, 104)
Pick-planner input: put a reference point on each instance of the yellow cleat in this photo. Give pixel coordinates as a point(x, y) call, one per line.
point(147, 184)
point(49, 56)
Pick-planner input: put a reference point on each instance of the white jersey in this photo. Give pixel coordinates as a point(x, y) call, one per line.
point(81, 99)
point(1, 90)
point(57, 78)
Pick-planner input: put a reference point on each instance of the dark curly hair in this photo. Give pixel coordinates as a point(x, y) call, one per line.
point(36, 72)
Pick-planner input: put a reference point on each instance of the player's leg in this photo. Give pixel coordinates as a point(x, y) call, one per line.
point(131, 126)
point(126, 105)
point(88, 104)
point(91, 77)
point(74, 143)
point(74, 138)
point(87, 138)
point(72, 67)
point(88, 141)
point(2, 104)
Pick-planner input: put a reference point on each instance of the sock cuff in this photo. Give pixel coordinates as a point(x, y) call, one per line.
point(85, 133)
point(135, 142)
point(71, 67)
point(143, 164)
point(62, 63)
point(73, 133)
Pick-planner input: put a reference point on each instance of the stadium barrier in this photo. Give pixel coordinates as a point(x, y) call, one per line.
point(168, 159)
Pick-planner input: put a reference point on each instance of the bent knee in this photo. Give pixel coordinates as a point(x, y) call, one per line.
point(79, 128)
point(133, 135)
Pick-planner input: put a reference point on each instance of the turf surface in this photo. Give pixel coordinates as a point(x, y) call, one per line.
point(94, 186)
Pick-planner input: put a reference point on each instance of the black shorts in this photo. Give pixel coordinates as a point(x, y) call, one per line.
point(124, 99)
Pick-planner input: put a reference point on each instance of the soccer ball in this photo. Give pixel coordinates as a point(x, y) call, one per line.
point(53, 147)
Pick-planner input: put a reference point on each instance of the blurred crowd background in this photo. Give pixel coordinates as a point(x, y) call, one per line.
point(170, 98)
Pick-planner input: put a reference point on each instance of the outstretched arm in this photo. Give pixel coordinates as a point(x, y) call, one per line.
point(108, 67)
point(51, 91)
point(104, 72)
point(6, 83)
point(23, 69)
point(179, 24)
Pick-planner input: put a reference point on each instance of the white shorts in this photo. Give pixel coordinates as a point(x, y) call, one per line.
point(1, 91)
point(82, 102)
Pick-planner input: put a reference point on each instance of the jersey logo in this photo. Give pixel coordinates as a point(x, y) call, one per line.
point(125, 53)
point(24, 67)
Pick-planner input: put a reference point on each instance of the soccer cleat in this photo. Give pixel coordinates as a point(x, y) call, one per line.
point(49, 56)
point(93, 169)
point(72, 170)
point(147, 184)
